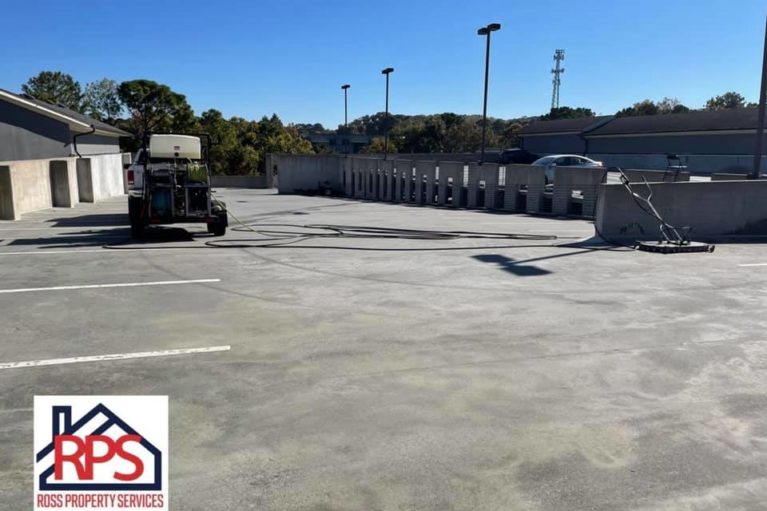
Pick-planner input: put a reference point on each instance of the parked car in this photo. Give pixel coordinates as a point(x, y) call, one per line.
point(564, 160)
point(517, 155)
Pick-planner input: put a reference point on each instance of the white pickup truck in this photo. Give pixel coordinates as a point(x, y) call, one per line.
point(169, 182)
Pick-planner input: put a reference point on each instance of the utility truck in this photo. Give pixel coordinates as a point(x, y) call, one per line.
point(169, 183)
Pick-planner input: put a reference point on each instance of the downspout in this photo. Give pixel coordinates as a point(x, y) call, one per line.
point(74, 139)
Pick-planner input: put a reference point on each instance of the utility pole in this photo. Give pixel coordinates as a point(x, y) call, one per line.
point(386, 72)
point(345, 87)
point(760, 126)
point(485, 31)
point(559, 56)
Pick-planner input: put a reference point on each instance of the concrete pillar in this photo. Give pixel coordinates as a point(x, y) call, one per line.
point(397, 182)
point(64, 191)
point(489, 174)
point(347, 179)
point(423, 171)
point(474, 178)
point(381, 180)
point(7, 209)
point(449, 170)
point(84, 180)
point(536, 185)
point(405, 168)
point(386, 167)
point(516, 175)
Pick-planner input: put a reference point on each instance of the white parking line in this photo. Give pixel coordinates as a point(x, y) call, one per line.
point(115, 356)
point(752, 264)
point(101, 250)
point(101, 286)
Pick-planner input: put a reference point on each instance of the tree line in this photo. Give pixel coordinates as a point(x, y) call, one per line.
point(143, 106)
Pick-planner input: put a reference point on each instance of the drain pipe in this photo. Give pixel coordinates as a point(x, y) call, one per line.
point(74, 139)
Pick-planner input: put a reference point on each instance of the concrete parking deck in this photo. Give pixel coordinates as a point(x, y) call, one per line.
point(396, 373)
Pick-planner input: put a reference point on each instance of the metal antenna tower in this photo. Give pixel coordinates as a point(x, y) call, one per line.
point(559, 56)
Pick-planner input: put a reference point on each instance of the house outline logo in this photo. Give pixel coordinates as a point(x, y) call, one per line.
point(62, 425)
point(100, 452)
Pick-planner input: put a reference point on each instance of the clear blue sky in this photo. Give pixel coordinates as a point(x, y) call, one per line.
point(250, 58)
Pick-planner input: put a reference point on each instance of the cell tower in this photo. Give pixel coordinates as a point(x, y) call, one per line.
point(559, 56)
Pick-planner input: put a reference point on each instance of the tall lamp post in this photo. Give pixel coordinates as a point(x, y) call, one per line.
point(485, 31)
point(345, 87)
point(760, 125)
point(386, 72)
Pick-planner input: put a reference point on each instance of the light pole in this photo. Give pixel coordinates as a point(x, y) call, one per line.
point(485, 31)
point(345, 87)
point(386, 72)
point(760, 125)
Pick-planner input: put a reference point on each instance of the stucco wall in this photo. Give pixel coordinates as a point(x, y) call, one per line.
point(25, 135)
point(711, 144)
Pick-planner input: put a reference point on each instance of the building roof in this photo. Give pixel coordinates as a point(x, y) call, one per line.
point(77, 122)
point(578, 125)
point(703, 120)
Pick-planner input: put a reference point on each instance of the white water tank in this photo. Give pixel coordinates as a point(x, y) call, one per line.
point(175, 146)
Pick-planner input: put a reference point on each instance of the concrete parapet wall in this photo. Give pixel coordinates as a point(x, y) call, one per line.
point(711, 208)
point(569, 179)
point(238, 181)
point(297, 173)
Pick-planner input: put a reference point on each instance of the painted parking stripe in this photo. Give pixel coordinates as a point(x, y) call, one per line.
point(101, 250)
point(104, 286)
point(114, 356)
point(752, 264)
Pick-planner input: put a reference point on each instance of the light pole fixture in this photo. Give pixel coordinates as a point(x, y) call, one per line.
point(760, 120)
point(345, 87)
point(386, 72)
point(485, 31)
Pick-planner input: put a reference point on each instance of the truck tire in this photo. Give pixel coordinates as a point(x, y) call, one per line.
point(218, 226)
point(137, 225)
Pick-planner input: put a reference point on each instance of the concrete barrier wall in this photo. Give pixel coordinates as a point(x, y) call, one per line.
point(238, 181)
point(711, 208)
point(296, 173)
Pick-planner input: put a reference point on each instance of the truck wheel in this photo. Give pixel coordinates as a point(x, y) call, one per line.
point(218, 226)
point(137, 225)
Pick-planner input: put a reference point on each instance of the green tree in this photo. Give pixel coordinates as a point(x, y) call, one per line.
point(376, 146)
point(671, 106)
point(726, 101)
point(155, 107)
point(646, 107)
point(55, 87)
point(101, 100)
point(566, 112)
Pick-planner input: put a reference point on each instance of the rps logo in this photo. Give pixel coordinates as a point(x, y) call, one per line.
point(101, 446)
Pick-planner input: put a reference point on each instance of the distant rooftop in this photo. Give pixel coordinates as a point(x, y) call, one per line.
point(564, 125)
point(703, 120)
